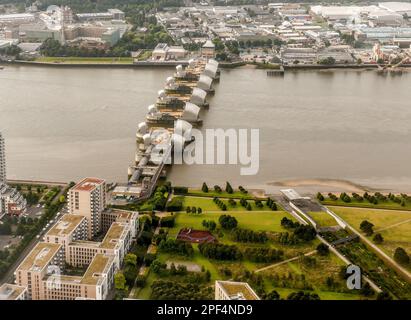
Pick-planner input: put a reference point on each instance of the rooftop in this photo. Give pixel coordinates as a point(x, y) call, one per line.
point(66, 225)
point(97, 267)
point(40, 256)
point(10, 291)
point(238, 290)
point(113, 235)
point(88, 184)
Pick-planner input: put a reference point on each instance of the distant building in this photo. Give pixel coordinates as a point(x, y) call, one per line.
point(111, 14)
point(88, 198)
point(11, 201)
point(2, 159)
point(16, 18)
point(208, 50)
point(163, 52)
point(231, 290)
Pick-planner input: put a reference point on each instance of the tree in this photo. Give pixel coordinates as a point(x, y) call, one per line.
point(378, 239)
point(401, 256)
point(366, 290)
point(130, 259)
point(228, 188)
point(301, 295)
point(384, 296)
point(320, 196)
point(204, 188)
point(327, 61)
point(272, 295)
point(366, 227)
point(227, 222)
point(119, 281)
point(323, 249)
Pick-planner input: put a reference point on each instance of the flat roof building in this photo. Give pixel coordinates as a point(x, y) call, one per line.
point(88, 198)
point(231, 290)
point(13, 292)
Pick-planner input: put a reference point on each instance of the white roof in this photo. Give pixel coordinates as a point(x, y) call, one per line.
point(291, 194)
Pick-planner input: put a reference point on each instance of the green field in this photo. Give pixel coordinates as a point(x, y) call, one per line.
point(97, 60)
point(297, 275)
point(394, 226)
point(380, 218)
point(255, 220)
point(323, 219)
point(207, 204)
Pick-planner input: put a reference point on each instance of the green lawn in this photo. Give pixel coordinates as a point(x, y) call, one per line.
point(323, 219)
point(207, 204)
point(314, 276)
point(395, 226)
point(104, 60)
point(255, 220)
point(380, 218)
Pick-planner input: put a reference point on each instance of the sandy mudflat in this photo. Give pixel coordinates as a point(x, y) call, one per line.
point(328, 183)
point(308, 186)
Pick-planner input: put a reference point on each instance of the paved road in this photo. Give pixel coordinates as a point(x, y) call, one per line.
point(285, 261)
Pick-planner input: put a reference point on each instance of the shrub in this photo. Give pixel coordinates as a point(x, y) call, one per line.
point(180, 190)
point(227, 222)
point(176, 204)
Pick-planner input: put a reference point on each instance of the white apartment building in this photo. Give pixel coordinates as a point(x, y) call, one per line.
point(88, 198)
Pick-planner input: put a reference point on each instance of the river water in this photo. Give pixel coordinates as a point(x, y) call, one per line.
point(62, 124)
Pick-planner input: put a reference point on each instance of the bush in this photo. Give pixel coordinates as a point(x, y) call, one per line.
point(378, 239)
point(247, 235)
point(227, 222)
point(217, 189)
point(176, 204)
point(168, 221)
point(263, 255)
point(323, 249)
point(367, 227)
point(180, 190)
point(220, 251)
point(401, 256)
point(176, 247)
point(228, 188)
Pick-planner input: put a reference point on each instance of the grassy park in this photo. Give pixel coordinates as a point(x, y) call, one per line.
point(393, 225)
point(323, 219)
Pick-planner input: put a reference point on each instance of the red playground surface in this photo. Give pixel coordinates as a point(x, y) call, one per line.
point(195, 236)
